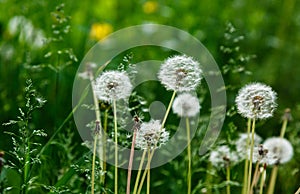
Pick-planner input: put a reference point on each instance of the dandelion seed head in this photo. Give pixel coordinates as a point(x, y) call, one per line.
point(241, 144)
point(186, 105)
point(223, 156)
point(113, 85)
point(256, 100)
point(151, 135)
point(280, 148)
point(180, 73)
point(262, 155)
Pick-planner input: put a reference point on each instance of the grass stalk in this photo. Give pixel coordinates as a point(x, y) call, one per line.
point(26, 166)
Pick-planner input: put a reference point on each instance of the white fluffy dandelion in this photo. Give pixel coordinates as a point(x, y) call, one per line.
point(113, 85)
point(256, 100)
point(151, 135)
point(280, 148)
point(180, 73)
point(241, 144)
point(186, 105)
point(262, 155)
point(223, 156)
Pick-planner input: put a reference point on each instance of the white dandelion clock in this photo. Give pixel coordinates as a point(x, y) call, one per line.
point(180, 73)
point(151, 135)
point(223, 156)
point(113, 85)
point(186, 105)
point(280, 148)
point(256, 101)
point(262, 155)
point(241, 144)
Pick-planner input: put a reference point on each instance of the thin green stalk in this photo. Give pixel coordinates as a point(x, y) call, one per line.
point(168, 110)
point(139, 172)
point(189, 175)
point(255, 177)
point(131, 158)
point(228, 179)
point(251, 155)
point(262, 181)
point(27, 166)
point(275, 168)
point(93, 164)
point(273, 180)
point(298, 191)
point(245, 183)
point(145, 172)
point(102, 178)
point(97, 131)
point(152, 153)
point(148, 175)
point(283, 128)
point(116, 147)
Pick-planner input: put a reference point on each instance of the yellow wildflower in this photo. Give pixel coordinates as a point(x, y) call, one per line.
point(100, 30)
point(150, 7)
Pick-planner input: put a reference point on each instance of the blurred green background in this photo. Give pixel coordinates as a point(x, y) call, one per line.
point(57, 37)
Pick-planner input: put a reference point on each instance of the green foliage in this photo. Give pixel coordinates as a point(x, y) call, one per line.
point(25, 139)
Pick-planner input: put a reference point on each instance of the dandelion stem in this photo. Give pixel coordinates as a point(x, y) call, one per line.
point(97, 131)
point(152, 152)
point(228, 179)
point(273, 180)
point(275, 168)
point(145, 172)
point(255, 177)
point(116, 147)
point(262, 181)
point(148, 175)
point(168, 110)
point(189, 176)
point(102, 177)
point(283, 128)
point(93, 164)
point(245, 188)
point(251, 155)
point(139, 172)
point(131, 159)
point(298, 191)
